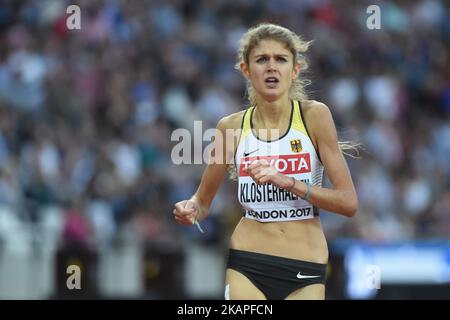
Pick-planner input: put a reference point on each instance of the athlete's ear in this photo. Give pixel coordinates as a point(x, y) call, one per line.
point(245, 70)
point(296, 71)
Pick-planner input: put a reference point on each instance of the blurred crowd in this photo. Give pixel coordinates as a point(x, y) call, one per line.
point(86, 115)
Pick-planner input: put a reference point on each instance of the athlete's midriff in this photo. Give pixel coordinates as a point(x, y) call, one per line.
point(301, 240)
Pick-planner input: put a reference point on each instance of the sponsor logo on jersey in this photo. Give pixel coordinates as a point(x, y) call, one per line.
point(285, 164)
point(246, 154)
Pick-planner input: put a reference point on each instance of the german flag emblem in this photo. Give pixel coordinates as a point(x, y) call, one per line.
point(296, 145)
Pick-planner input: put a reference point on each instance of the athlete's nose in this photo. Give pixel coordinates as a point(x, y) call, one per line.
point(271, 65)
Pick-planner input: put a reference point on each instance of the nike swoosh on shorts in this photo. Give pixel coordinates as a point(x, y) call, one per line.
point(301, 276)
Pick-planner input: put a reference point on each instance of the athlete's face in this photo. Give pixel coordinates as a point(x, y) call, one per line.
point(271, 69)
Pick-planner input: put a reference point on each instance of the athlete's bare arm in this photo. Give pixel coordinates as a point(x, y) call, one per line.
point(222, 153)
point(342, 198)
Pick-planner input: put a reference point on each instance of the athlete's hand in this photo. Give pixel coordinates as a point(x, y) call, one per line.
point(262, 173)
point(186, 212)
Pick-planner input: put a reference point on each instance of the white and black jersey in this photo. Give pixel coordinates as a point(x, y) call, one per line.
point(293, 154)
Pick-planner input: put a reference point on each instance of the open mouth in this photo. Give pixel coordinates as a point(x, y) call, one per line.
point(271, 80)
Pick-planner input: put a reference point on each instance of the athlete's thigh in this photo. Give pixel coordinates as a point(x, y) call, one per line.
point(239, 287)
point(311, 292)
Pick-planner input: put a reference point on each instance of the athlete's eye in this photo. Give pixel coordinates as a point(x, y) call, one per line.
point(281, 59)
point(261, 59)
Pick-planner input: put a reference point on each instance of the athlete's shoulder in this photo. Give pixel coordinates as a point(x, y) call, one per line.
point(232, 121)
point(316, 114)
point(313, 108)
point(317, 117)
